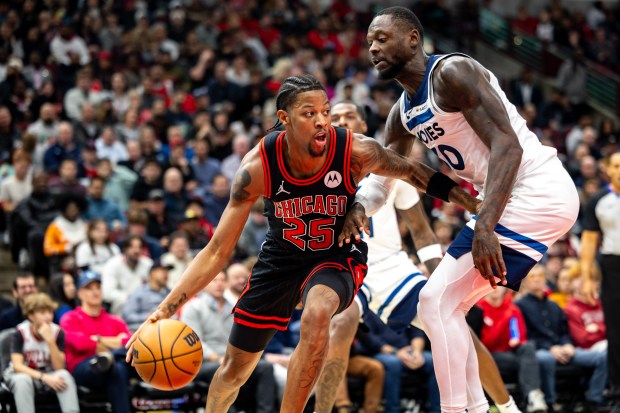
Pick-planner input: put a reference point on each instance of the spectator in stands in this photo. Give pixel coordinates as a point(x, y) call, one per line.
point(135, 161)
point(205, 168)
point(602, 48)
point(160, 224)
point(571, 79)
point(62, 290)
point(150, 178)
point(18, 186)
point(562, 291)
point(109, 147)
point(67, 180)
point(209, 315)
point(177, 258)
point(179, 154)
point(548, 329)
point(145, 299)
point(94, 344)
point(216, 199)
point(68, 229)
point(46, 127)
point(87, 128)
point(38, 358)
point(78, 95)
point(101, 208)
point(119, 182)
point(8, 134)
point(237, 275)
point(97, 249)
point(69, 51)
point(254, 232)
point(221, 90)
point(28, 223)
point(504, 334)
point(123, 274)
point(526, 90)
point(241, 146)
point(586, 321)
point(23, 286)
point(397, 351)
point(129, 130)
point(544, 28)
point(137, 221)
point(175, 196)
point(64, 148)
point(373, 374)
point(197, 235)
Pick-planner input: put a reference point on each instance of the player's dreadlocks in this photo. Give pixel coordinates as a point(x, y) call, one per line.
point(290, 89)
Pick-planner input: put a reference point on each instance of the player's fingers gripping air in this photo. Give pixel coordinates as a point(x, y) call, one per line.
point(355, 223)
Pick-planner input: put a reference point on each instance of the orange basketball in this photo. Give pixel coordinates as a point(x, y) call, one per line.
point(167, 354)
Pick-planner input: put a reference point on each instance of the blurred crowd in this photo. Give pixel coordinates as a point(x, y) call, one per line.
point(122, 124)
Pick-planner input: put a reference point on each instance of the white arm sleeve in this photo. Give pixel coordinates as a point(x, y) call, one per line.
point(373, 192)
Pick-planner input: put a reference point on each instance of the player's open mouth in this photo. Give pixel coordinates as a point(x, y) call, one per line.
point(379, 63)
point(320, 138)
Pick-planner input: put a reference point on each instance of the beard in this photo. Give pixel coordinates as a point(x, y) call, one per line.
point(392, 71)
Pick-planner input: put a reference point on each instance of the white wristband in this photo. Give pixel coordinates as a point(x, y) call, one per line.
point(430, 252)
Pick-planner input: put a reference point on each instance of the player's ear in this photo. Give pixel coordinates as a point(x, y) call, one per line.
point(364, 127)
point(283, 117)
point(414, 38)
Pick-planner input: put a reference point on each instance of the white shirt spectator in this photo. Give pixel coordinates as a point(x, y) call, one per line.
point(43, 131)
point(178, 267)
point(61, 48)
point(115, 152)
point(118, 280)
point(95, 257)
point(75, 98)
point(13, 190)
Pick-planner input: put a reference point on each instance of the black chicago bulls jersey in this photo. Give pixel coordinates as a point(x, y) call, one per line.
point(307, 215)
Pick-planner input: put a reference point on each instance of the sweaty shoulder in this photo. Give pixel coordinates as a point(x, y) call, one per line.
point(248, 183)
point(456, 81)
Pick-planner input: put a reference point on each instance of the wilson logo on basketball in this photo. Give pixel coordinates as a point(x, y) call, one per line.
point(191, 338)
point(135, 354)
point(332, 179)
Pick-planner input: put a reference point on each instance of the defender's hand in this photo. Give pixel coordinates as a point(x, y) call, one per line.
point(487, 255)
point(156, 315)
point(355, 222)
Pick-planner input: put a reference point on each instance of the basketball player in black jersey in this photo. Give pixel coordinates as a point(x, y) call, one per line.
point(308, 176)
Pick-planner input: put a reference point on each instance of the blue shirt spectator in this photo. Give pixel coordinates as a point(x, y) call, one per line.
point(99, 207)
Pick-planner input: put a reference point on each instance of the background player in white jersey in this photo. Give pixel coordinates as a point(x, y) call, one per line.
point(456, 108)
point(393, 282)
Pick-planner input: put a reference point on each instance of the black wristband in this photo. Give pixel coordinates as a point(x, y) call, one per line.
point(439, 186)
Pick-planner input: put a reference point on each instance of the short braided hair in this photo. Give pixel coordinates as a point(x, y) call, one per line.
point(404, 16)
point(291, 88)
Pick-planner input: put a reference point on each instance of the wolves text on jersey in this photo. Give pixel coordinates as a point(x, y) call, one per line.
point(430, 133)
point(330, 205)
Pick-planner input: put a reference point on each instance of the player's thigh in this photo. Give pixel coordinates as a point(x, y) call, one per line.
point(455, 284)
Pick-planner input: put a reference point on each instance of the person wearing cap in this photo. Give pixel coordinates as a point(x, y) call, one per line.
point(160, 226)
point(38, 358)
point(93, 338)
point(146, 298)
point(125, 273)
point(197, 237)
point(150, 178)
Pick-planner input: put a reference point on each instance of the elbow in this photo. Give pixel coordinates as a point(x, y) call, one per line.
point(514, 152)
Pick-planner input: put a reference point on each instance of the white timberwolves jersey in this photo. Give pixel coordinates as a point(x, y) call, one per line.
point(452, 139)
point(385, 240)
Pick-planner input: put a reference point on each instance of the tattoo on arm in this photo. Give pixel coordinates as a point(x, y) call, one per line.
point(241, 182)
point(172, 308)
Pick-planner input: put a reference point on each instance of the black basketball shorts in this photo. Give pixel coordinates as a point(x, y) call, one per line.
point(279, 282)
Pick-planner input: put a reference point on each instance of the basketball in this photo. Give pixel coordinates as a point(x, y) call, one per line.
point(167, 354)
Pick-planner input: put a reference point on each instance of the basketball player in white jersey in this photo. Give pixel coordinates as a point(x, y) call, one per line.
point(393, 283)
point(457, 109)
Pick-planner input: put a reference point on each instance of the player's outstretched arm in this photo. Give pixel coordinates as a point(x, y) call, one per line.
point(367, 156)
point(247, 186)
point(461, 84)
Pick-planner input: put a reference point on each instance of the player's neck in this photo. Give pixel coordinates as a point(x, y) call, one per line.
point(412, 75)
point(300, 163)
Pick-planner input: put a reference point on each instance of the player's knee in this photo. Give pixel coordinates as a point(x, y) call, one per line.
point(231, 376)
point(428, 302)
point(315, 327)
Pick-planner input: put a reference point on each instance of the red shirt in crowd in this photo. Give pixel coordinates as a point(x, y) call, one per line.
point(586, 323)
point(496, 325)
